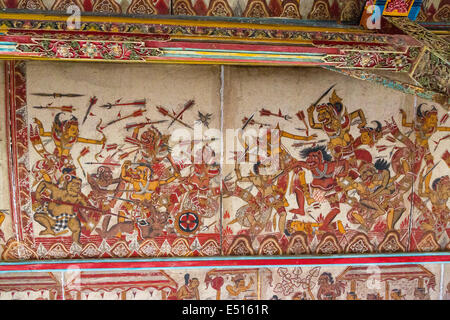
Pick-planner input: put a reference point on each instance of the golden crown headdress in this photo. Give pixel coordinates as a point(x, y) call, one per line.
point(335, 98)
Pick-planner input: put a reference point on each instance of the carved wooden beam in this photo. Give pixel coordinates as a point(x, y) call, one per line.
point(222, 41)
point(395, 84)
point(29, 36)
point(432, 68)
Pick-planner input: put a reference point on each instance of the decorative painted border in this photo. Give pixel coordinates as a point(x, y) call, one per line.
point(221, 29)
point(30, 36)
point(222, 262)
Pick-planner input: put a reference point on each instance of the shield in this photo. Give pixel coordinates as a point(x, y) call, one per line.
point(187, 223)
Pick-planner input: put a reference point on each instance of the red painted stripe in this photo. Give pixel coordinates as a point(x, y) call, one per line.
point(127, 274)
point(36, 277)
point(275, 261)
point(16, 284)
point(11, 132)
point(115, 283)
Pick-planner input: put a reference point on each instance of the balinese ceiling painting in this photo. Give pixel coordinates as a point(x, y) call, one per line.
point(376, 282)
point(163, 160)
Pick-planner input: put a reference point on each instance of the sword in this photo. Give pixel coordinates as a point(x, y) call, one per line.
point(324, 94)
point(188, 105)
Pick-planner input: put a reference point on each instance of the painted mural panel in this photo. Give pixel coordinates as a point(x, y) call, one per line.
point(358, 282)
point(126, 161)
point(430, 223)
point(101, 176)
point(399, 282)
point(189, 284)
point(339, 179)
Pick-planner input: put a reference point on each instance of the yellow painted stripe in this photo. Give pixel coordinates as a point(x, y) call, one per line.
point(263, 40)
point(236, 54)
point(180, 22)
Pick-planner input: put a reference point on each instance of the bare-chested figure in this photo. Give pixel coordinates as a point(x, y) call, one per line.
point(59, 207)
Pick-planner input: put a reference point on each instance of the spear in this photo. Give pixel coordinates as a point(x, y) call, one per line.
point(58, 95)
point(187, 106)
point(109, 105)
point(92, 101)
point(248, 121)
point(164, 112)
point(62, 108)
point(133, 125)
point(268, 113)
point(301, 144)
point(209, 226)
point(103, 163)
point(432, 168)
point(126, 154)
point(252, 122)
point(185, 142)
point(137, 113)
point(278, 175)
